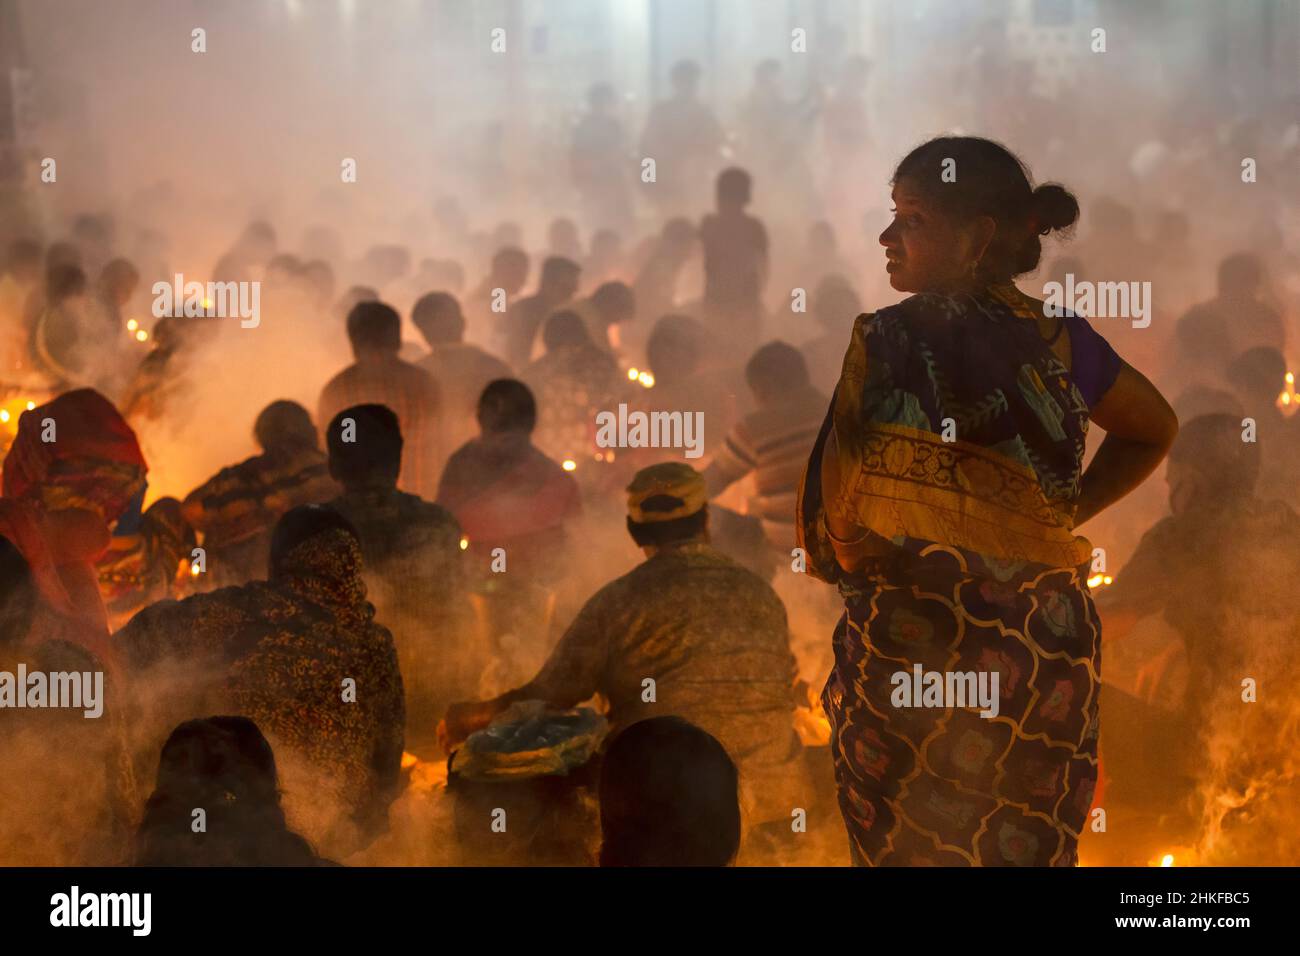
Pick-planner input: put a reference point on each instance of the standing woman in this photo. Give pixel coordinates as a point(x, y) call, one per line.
point(941, 497)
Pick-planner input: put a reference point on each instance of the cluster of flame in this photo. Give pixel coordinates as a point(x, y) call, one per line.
point(645, 379)
point(1286, 399)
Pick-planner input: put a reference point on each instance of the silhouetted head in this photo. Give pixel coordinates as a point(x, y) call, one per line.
point(1258, 375)
point(352, 297)
point(439, 318)
point(365, 446)
point(299, 525)
point(224, 767)
point(674, 348)
point(775, 370)
point(821, 239)
point(667, 505)
point(565, 330)
point(64, 282)
point(614, 302)
point(668, 797)
point(1210, 466)
point(560, 277)
point(510, 269)
point(562, 234)
point(1240, 276)
point(967, 217)
point(835, 303)
point(117, 281)
point(734, 188)
point(506, 406)
point(374, 327)
point(284, 427)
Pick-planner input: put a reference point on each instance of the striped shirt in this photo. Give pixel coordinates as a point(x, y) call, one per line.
point(774, 444)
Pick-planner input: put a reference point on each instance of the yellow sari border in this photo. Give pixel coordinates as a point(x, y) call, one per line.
point(901, 482)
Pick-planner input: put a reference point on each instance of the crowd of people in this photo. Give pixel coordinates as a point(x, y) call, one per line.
point(436, 534)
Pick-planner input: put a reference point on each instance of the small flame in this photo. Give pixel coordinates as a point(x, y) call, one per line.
point(194, 570)
point(464, 544)
point(409, 760)
point(1167, 860)
point(1098, 580)
point(569, 464)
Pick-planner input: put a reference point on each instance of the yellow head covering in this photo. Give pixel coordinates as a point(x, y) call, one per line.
point(673, 479)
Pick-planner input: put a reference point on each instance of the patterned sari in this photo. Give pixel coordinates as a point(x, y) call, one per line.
point(971, 566)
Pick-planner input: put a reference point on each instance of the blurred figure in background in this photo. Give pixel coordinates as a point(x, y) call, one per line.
point(519, 324)
point(772, 442)
point(461, 370)
point(517, 508)
point(379, 377)
point(735, 261)
point(834, 306)
point(685, 139)
point(573, 381)
point(600, 162)
point(509, 274)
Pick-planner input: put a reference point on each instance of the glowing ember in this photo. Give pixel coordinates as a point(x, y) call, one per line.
point(30, 406)
point(1286, 399)
point(132, 325)
point(4, 414)
point(1100, 580)
point(633, 374)
point(569, 464)
point(1167, 860)
point(646, 379)
point(464, 544)
point(141, 335)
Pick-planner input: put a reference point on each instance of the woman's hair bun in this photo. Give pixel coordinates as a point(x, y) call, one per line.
point(1054, 208)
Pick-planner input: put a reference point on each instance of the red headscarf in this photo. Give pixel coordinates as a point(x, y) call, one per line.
point(73, 468)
